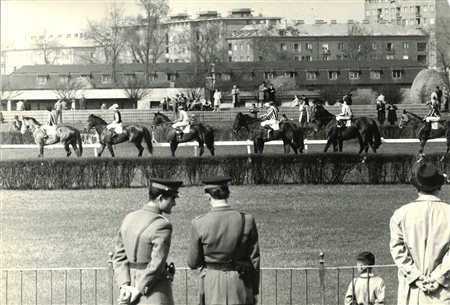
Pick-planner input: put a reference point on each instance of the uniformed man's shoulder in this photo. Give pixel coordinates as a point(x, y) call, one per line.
point(200, 217)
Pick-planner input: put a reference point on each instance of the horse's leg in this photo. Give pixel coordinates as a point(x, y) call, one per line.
point(328, 145)
point(67, 148)
point(362, 145)
point(137, 142)
point(260, 144)
point(173, 146)
point(102, 148)
point(365, 142)
point(41, 150)
point(255, 147)
point(201, 148)
point(340, 144)
point(111, 150)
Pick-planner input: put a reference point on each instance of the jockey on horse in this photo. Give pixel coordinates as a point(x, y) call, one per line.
point(116, 126)
point(270, 119)
point(344, 119)
point(182, 120)
point(50, 124)
point(434, 115)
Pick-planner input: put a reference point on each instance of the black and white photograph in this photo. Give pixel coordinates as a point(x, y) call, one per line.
point(225, 152)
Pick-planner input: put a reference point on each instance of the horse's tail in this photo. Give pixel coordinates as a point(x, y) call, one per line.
point(79, 142)
point(148, 139)
point(376, 136)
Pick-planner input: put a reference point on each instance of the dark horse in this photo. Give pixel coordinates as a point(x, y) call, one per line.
point(289, 132)
point(418, 124)
point(363, 128)
point(67, 135)
point(133, 133)
point(203, 134)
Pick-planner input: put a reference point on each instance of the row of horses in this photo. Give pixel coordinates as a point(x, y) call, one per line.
point(364, 129)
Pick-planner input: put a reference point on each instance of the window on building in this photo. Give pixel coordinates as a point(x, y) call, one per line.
point(332, 75)
point(325, 47)
point(405, 57)
point(282, 32)
point(311, 75)
point(396, 74)
point(283, 46)
point(341, 46)
point(353, 75)
point(235, 47)
point(63, 79)
point(41, 79)
point(431, 7)
point(389, 57)
point(296, 58)
point(338, 57)
point(68, 35)
point(375, 74)
point(268, 75)
point(406, 45)
point(106, 78)
point(291, 74)
point(422, 59)
point(309, 46)
point(431, 20)
point(307, 58)
point(389, 46)
point(128, 77)
point(374, 45)
point(295, 48)
point(230, 47)
point(171, 77)
point(325, 57)
point(421, 46)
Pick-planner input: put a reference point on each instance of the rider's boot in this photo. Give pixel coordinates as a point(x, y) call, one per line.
point(180, 132)
point(45, 137)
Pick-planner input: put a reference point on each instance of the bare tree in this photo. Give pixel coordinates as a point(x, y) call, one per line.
point(7, 91)
point(49, 47)
point(108, 35)
point(136, 88)
point(265, 46)
point(147, 39)
point(441, 44)
point(330, 94)
point(74, 88)
point(359, 44)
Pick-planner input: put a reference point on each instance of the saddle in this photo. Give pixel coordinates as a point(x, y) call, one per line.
point(186, 129)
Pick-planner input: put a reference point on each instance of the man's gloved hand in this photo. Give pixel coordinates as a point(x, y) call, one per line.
point(422, 283)
point(124, 295)
point(433, 285)
point(135, 294)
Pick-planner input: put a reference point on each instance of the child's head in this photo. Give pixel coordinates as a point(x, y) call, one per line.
point(365, 259)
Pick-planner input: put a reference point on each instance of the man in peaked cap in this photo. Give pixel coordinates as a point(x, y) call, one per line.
point(420, 241)
point(142, 247)
point(224, 245)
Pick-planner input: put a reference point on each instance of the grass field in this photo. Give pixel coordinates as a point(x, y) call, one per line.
point(51, 229)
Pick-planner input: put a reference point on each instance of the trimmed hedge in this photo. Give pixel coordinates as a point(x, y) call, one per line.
point(315, 168)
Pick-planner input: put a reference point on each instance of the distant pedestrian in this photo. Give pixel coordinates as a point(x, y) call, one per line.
point(263, 96)
point(217, 99)
point(391, 113)
point(64, 104)
point(366, 288)
point(235, 96)
point(103, 106)
point(296, 101)
point(381, 111)
point(82, 102)
point(20, 106)
point(73, 104)
point(271, 91)
point(445, 97)
point(420, 242)
point(59, 109)
point(304, 112)
point(439, 96)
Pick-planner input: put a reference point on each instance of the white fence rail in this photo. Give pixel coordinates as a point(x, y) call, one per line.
point(248, 144)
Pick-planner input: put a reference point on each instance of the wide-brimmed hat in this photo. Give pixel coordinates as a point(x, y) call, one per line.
point(114, 106)
point(428, 178)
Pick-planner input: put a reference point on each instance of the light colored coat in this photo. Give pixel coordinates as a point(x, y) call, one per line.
point(213, 240)
point(420, 241)
point(373, 294)
point(144, 239)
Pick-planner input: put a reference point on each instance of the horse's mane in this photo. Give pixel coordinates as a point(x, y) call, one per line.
point(163, 116)
point(32, 119)
point(99, 119)
point(414, 115)
point(324, 113)
point(250, 119)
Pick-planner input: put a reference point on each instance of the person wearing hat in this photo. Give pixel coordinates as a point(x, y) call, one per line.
point(116, 126)
point(224, 246)
point(142, 247)
point(366, 288)
point(420, 242)
point(49, 127)
point(433, 115)
point(270, 118)
point(181, 121)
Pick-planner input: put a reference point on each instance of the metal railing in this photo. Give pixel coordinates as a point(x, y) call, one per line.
point(69, 286)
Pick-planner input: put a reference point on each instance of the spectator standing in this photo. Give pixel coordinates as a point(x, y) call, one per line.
point(296, 101)
point(73, 104)
point(271, 91)
point(262, 94)
point(439, 96)
point(142, 247)
point(26, 105)
point(304, 112)
point(235, 96)
point(254, 110)
point(224, 246)
point(217, 99)
point(64, 104)
point(446, 97)
point(103, 106)
point(367, 288)
point(420, 242)
point(163, 104)
point(20, 106)
point(380, 98)
point(391, 113)
point(348, 98)
point(59, 109)
point(82, 101)
point(381, 111)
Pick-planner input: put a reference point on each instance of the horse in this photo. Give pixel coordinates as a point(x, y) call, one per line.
point(418, 125)
point(133, 133)
point(199, 132)
point(363, 128)
point(289, 132)
point(65, 134)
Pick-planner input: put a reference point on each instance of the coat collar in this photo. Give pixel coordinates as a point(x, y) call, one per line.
point(427, 197)
point(151, 209)
point(221, 208)
point(364, 275)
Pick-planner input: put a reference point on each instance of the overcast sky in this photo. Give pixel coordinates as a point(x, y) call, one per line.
point(27, 17)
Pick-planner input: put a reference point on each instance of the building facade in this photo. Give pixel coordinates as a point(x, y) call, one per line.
point(328, 41)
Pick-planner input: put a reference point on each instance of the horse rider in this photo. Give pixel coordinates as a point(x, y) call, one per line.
point(182, 120)
point(344, 118)
point(434, 115)
point(51, 121)
point(270, 118)
point(116, 125)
